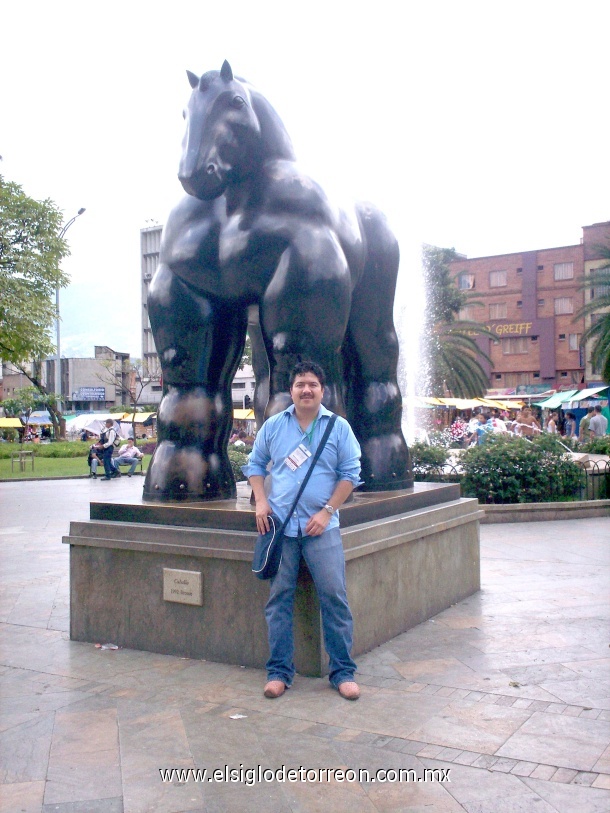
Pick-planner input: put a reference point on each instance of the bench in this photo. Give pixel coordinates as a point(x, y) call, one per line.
point(21, 457)
point(138, 470)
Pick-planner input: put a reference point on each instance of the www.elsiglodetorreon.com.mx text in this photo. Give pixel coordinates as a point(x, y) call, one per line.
point(253, 776)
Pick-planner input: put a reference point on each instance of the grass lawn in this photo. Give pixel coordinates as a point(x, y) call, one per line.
point(52, 467)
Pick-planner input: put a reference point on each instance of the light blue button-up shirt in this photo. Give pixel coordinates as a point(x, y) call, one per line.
point(278, 437)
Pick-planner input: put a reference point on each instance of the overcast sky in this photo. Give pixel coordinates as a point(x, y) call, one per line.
point(477, 125)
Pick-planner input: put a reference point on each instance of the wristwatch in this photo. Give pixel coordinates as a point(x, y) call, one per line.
point(328, 507)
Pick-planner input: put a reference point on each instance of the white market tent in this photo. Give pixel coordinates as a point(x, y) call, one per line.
point(94, 423)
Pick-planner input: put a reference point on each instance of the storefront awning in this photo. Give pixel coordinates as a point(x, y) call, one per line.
point(555, 401)
point(582, 394)
point(10, 423)
point(243, 414)
point(140, 417)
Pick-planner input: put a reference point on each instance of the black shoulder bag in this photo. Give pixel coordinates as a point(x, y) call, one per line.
point(268, 546)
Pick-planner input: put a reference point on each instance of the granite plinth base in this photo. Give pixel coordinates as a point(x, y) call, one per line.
point(401, 569)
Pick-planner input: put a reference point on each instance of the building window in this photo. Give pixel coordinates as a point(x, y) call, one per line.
point(156, 388)
point(498, 376)
point(563, 375)
point(541, 303)
point(564, 304)
point(564, 271)
point(562, 337)
point(574, 341)
point(519, 270)
point(497, 279)
point(239, 385)
point(467, 314)
point(534, 338)
point(516, 379)
point(466, 282)
point(536, 375)
point(540, 268)
point(514, 346)
point(519, 303)
point(498, 311)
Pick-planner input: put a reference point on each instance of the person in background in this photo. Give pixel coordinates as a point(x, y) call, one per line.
point(529, 426)
point(598, 425)
point(498, 422)
point(551, 426)
point(107, 439)
point(583, 426)
point(129, 455)
point(241, 439)
point(569, 429)
point(483, 428)
point(95, 458)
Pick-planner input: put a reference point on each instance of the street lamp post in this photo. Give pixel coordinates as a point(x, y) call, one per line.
point(58, 351)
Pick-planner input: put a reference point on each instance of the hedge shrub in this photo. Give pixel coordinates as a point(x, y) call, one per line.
point(237, 458)
point(515, 470)
point(597, 446)
point(428, 461)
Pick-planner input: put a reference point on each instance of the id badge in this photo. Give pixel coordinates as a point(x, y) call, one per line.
point(298, 457)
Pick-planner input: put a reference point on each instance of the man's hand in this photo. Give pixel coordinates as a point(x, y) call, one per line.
point(263, 509)
point(318, 523)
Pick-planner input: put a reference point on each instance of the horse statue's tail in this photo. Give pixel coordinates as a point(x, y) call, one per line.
point(370, 357)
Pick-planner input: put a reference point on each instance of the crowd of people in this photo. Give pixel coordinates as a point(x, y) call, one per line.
point(527, 423)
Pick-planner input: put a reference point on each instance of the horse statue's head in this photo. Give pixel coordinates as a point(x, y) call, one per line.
point(230, 131)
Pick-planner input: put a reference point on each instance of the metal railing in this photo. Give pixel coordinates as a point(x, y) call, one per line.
point(594, 485)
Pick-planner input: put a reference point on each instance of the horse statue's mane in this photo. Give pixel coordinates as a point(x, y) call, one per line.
point(274, 137)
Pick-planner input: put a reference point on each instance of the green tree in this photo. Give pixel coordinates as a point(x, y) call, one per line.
point(45, 397)
point(23, 403)
point(597, 285)
point(30, 254)
point(132, 389)
point(453, 356)
point(246, 357)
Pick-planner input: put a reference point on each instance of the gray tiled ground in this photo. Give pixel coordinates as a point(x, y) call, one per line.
point(505, 693)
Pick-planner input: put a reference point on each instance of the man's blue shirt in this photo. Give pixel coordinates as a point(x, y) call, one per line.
point(278, 437)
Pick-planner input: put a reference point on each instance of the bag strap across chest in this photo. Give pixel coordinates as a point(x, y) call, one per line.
point(316, 457)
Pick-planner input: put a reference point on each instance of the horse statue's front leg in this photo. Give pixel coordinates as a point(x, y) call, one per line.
point(200, 343)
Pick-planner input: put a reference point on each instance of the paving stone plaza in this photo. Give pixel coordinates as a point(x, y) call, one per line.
point(497, 705)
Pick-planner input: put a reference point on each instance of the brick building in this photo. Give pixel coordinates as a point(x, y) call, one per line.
point(529, 300)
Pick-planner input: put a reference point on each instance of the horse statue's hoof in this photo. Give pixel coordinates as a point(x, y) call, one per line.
point(187, 474)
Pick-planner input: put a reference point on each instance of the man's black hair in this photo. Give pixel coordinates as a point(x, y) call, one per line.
point(307, 367)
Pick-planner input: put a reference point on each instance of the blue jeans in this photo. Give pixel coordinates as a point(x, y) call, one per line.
point(107, 460)
point(326, 562)
point(126, 461)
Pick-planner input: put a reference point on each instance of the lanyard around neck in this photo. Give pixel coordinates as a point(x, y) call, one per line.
point(309, 435)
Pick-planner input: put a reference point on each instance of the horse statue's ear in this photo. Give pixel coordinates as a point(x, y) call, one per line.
point(226, 74)
point(193, 80)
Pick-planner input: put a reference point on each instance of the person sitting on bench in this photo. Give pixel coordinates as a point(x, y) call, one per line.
point(129, 455)
point(95, 458)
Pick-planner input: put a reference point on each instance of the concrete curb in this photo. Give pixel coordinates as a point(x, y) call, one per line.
point(545, 511)
point(66, 477)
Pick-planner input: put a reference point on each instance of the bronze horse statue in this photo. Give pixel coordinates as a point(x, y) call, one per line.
point(256, 237)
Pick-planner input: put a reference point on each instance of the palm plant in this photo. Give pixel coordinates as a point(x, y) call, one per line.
point(454, 358)
point(598, 308)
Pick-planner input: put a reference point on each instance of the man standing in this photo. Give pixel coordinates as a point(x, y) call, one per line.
point(288, 440)
point(583, 427)
point(598, 425)
point(129, 455)
point(107, 439)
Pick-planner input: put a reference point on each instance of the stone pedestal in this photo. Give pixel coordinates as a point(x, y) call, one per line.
point(409, 555)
